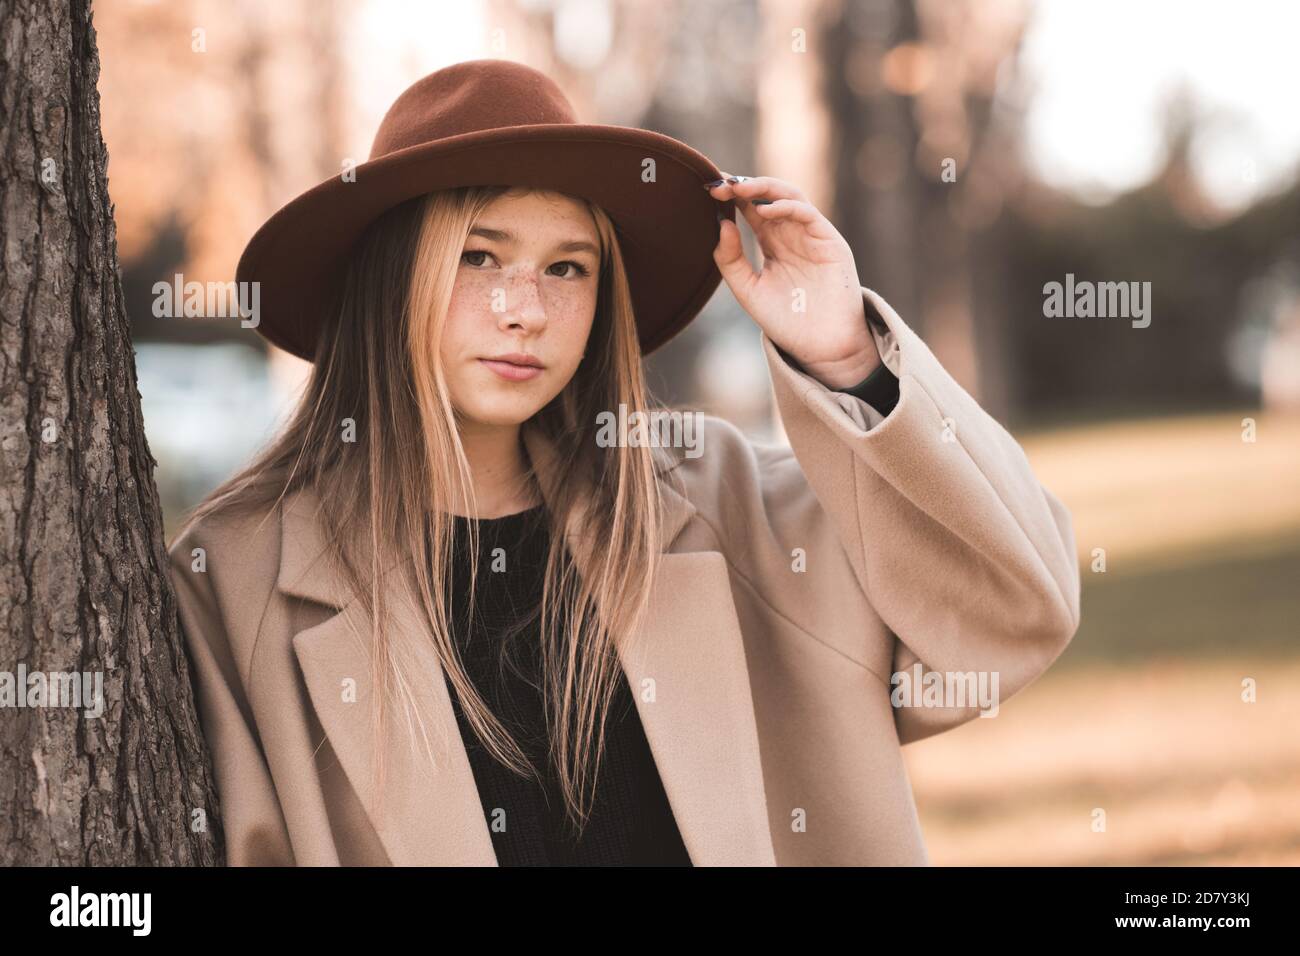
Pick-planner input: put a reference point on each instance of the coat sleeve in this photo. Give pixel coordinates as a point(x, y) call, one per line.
point(254, 826)
point(965, 557)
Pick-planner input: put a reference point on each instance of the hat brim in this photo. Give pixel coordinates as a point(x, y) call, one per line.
point(667, 228)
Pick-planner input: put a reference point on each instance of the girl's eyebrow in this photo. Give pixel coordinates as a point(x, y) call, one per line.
point(508, 237)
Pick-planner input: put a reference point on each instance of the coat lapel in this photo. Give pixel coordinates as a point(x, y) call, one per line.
point(687, 672)
point(685, 666)
point(430, 815)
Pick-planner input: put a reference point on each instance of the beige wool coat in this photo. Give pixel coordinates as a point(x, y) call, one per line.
point(923, 537)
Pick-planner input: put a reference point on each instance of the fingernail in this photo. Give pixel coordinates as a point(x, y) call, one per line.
point(714, 184)
point(734, 179)
point(760, 202)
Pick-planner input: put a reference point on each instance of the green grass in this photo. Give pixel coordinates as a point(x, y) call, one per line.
point(1220, 605)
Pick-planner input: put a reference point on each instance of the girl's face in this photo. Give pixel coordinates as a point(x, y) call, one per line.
point(521, 308)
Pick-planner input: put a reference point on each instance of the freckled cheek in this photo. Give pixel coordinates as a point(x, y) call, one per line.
point(469, 313)
point(570, 341)
point(473, 293)
point(567, 306)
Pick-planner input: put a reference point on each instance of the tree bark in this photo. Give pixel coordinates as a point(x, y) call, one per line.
point(83, 572)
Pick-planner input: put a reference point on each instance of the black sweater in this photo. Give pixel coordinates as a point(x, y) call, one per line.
point(631, 822)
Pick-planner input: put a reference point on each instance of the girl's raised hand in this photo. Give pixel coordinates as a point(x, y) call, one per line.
point(806, 296)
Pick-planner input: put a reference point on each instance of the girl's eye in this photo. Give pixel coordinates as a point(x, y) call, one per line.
point(581, 271)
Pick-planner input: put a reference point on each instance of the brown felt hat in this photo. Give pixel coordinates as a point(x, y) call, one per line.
point(495, 122)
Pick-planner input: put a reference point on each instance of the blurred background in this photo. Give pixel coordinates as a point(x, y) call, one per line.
point(971, 151)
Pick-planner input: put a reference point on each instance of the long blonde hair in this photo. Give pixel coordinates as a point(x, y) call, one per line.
point(391, 492)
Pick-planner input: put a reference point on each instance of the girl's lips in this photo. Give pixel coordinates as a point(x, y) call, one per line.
point(512, 372)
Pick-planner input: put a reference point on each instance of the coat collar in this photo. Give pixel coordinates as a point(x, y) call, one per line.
point(686, 669)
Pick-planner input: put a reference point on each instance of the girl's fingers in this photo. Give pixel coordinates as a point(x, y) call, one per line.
point(722, 191)
point(756, 187)
point(777, 199)
point(726, 191)
point(798, 211)
point(729, 255)
point(767, 187)
point(745, 207)
point(788, 209)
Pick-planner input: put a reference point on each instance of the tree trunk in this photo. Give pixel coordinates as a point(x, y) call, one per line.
point(83, 580)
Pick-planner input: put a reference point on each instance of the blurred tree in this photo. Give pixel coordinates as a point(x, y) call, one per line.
point(1166, 232)
point(920, 167)
point(84, 586)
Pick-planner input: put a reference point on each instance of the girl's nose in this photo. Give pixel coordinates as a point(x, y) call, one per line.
point(524, 308)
